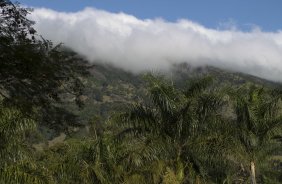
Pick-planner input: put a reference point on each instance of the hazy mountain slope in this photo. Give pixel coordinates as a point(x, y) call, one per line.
point(110, 89)
point(183, 72)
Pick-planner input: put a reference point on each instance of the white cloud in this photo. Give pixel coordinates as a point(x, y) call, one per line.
point(139, 45)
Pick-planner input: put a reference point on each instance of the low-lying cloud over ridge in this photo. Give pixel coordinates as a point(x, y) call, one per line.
point(138, 45)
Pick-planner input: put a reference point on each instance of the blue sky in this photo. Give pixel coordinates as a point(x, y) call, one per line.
point(266, 14)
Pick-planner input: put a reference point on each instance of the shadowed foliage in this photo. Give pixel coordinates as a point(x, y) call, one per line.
point(33, 72)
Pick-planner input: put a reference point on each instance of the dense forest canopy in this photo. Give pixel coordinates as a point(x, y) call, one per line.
point(115, 127)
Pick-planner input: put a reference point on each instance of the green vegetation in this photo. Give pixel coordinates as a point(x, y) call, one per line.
point(64, 121)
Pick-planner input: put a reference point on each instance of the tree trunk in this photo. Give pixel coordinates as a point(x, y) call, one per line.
point(253, 173)
point(180, 166)
point(180, 171)
point(198, 181)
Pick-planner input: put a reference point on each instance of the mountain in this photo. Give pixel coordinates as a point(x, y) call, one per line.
point(109, 89)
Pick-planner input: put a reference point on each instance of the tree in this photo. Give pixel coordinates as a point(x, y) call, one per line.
point(186, 121)
point(16, 163)
point(33, 72)
point(35, 77)
point(258, 121)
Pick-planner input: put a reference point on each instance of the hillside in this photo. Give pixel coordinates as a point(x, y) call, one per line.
point(110, 89)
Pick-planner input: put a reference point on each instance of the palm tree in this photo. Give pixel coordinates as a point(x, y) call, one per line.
point(16, 163)
point(258, 121)
point(187, 121)
point(93, 159)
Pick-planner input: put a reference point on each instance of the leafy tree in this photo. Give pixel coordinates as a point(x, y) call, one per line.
point(33, 72)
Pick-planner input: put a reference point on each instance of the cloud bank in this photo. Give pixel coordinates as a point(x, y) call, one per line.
point(154, 44)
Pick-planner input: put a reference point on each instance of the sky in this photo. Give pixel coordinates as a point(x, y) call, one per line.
point(265, 14)
point(241, 36)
